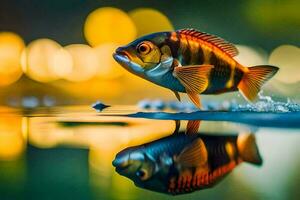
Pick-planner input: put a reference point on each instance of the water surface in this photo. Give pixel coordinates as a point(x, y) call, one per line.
point(66, 153)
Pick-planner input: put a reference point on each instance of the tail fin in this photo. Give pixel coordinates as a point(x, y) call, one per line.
point(253, 80)
point(248, 150)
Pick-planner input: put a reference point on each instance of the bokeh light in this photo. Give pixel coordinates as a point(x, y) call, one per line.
point(37, 60)
point(249, 56)
point(109, 24)
point(148, 20)
point(62, 62)
point(109, 68)
point(85, 62)
point(287, 58)
point(11, 46)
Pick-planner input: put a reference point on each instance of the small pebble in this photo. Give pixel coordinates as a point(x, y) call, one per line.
point(99, 106)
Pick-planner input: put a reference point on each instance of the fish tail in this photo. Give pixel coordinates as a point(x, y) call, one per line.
point(253, 80)
point(247, 149)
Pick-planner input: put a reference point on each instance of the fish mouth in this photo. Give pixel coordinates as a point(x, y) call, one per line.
point(121, 164)
point(124, 59)
point(121, 57)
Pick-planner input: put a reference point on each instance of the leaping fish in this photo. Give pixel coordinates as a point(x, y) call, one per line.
point(192, 62)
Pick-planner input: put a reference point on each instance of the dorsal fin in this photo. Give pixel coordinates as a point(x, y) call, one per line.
point(218, 42)
point(192, 127)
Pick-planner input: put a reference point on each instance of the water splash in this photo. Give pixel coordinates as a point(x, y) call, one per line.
point(267, 104)
point(264, 104)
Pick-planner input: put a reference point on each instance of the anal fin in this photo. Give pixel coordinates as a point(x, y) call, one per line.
point(177, 126)
point(177, 95)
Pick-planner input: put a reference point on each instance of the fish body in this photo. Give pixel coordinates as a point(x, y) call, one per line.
point(192, 62)
point(181, 163)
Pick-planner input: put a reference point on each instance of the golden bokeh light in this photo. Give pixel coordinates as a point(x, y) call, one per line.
point(109, 24)
point(37, 60)
point(148, 20)
point(62, 63)
point(287, 58)
point(11, 46)
point(249, 56)
point(109, 68)
point(85, 63)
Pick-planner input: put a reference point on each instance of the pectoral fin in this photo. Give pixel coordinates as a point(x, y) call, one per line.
point(194, 98)
point(194, 79)
point(194, 155)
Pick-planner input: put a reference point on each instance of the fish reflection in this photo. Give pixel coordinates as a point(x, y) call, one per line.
point(183, 163)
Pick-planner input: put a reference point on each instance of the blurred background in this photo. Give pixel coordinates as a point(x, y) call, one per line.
point(59, 53)
point(52, 51)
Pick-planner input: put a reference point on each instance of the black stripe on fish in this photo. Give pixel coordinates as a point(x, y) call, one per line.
point(220, 74)
point(173, 42)
point(184, 50)
point(195, 51)
point(237, 77)
point(200, 57)
point(217, 154)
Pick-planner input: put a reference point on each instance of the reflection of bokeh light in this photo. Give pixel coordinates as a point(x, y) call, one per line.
point(45, 132)
point(11, 139)
point(62, 62)
point(85, 62)
point(148, 20)
point(38, 58)
point(109, 25)
point(287, 58)
point(109, 68)
point(249, 56)
point(11, 46)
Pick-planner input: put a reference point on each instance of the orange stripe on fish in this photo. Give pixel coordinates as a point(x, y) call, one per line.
point(174, 36)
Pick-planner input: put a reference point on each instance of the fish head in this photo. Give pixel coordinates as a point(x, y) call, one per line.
point(141, 55)
point(134, 164)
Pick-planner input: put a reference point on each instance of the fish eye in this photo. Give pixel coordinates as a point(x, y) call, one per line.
point(142, 174)
point(144, 48)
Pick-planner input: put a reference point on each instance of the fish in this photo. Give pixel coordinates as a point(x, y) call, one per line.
point(183, 163)
point(192, 62)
